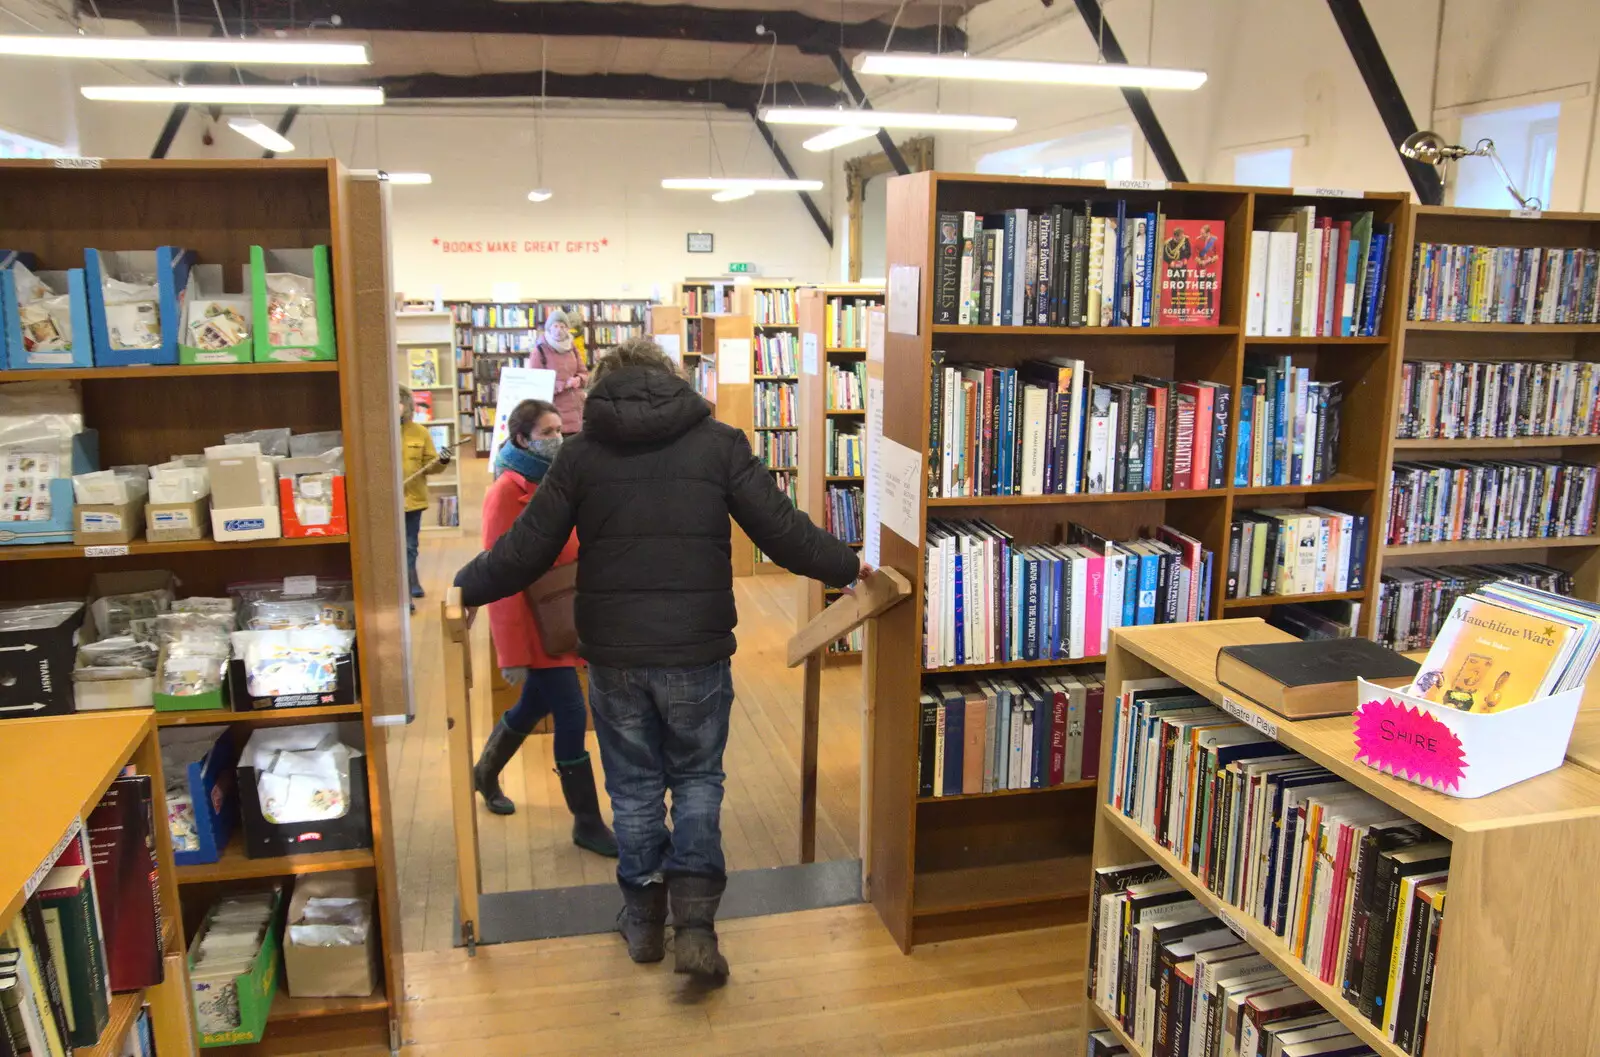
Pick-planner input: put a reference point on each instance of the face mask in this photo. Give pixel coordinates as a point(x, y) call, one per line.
point(544, 447)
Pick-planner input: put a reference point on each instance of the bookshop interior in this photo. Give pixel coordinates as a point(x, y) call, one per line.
point(790, 528)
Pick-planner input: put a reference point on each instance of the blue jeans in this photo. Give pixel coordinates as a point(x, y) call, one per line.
point(413, 532)
point(552, 692)
point(661, 729)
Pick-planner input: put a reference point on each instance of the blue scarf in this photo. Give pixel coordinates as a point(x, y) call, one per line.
point(530, 466)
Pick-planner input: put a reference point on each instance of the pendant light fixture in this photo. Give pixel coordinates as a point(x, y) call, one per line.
point(838, 137)
point(852, 119)
point(732, 194)
point(738, 183)
point(262, 133)
point(237, 94)
point(540, 193)
point(1019, 71)
point(178, 49)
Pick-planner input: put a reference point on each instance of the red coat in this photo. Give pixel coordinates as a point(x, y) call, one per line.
point(516, 640)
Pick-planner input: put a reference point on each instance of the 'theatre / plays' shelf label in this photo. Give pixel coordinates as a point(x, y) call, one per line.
point(1249, 717)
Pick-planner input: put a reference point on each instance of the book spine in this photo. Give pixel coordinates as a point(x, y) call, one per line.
point(1219, 434)
point(947, 274)
point(1077, 277)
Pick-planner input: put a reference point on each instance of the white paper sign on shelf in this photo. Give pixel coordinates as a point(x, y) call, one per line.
point(1232, 922)
point(299, 586)
point(900, 484)
point(808, 353)
point(875, 327)
point(79, 163)
point(516, 385)
point(506, 293)
point(1249, 717)
point(115, 550)
point(872, 517)
point(733, 361)
point(1327, 192)
point(1137, 185)
point(1526, 214)
point(905, 288)
point(672, 346)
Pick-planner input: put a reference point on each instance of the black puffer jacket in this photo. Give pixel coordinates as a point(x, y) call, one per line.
point(650, 484)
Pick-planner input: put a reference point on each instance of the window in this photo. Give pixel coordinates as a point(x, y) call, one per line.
point(1106, 154)
point(1525, 138)
point(13, 145)
point(1263, 168)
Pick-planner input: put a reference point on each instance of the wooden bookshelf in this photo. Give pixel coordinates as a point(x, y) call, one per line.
point(1552, 820)
point(735, 402)
point(423, 338)
point(903, 831)
point(147, 414)
point(66, 764)
point(1447, 341)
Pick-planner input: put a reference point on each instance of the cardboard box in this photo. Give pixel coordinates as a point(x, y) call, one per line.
point(101, 524)
point(352, 830)
point(331, 972)
point(346, 689)
point(255, 987)
point(17, 355)
point(244, 498)
point(100, 694)
point(321, 499)
point(170, 265)
point(206, 288)
point(311, 263)
point(211, 699)
point(176, 522)
point(36, 668)
point(212, 790)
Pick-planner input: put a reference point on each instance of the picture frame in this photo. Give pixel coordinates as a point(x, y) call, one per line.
point(702, 242)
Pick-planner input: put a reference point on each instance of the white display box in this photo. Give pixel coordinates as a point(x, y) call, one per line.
point(1462, 754)
point(241, 523)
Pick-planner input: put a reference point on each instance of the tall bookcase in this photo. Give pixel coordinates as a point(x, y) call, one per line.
point(729, 363)
point(820, 419)
point(1516, 954)
point(1550, 342)
point(493, 335)
point(425, 361)
point(773, 308)
point(961, 865)
point(145, 414)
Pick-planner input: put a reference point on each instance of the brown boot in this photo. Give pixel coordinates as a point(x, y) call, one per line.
point(695, 900)
point(643, 921)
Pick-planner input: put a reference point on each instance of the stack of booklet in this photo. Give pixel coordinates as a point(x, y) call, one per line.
point(1505, 645)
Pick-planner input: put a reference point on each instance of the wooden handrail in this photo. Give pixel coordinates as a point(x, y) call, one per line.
point(457, 618)
point(878, 592)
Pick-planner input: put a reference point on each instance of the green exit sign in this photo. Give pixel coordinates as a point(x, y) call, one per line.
point(741, 268)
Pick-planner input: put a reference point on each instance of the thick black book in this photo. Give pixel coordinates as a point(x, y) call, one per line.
point(1219, 432)
point(1133, 475)
point(1304, 679)
point(1409, 992)
point(927, 744)
point(1393, 867)
point(1079, 269)
point(936, 425)
point(1378, 839)
point(947, 269)
point(1122, 394)
point(1235, 540)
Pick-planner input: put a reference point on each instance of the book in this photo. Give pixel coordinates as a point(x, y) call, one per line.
point(947, 268)
point(1303, 680)
point(1191, 273)
point(1491, 499)
point(77, 950)
point(122, 835)
point(1413, 602)
point(1503, 284)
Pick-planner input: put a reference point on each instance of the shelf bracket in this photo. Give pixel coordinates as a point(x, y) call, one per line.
point(1094, 20)
point(852, 88)
point(788, 170)
point(1386, 95)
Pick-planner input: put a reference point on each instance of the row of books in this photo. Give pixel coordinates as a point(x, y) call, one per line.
point(992, 600)
point(847, 387)
point(1314, 276)
point(1288, 425)
point(1495, 499)
point(777, 403)
point(1033, 732)
point(1346, 882)
point(775, 354)
point(845, 322)
point(1064, 266)
point(92, 927)
point(501, 315)
point(789, 484)
point(1312, 621)
point(1446, 400)
point(602, 335)
point(493, 342)
point(778, 449)
point(1504, 284)
point(843, 508)
point(703, 376)
point(634, 312)
point(447, 510)
point(845, 450)
point(776, 307)
point(854, 642)
point(1296, 552)
point(707, 300)
point(694, 337)
point(1413, 602)
point(1047, 428)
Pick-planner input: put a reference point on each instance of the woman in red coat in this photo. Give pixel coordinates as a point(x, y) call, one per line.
point(549, 684)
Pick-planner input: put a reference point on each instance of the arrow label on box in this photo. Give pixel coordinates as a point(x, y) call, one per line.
point(25, 647)
point(34, 707)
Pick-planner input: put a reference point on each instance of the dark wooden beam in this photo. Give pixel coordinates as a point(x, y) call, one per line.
point(1385, 92)
point(572, 18)
point(736, 95)
point(285, 123)
point(788, 170)
point(169, 131)
point(1138, 102)
point(853, 87)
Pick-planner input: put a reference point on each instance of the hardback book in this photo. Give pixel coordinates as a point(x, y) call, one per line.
point(947, 269)
point(1190, 273)
point(1303, 680)
point(122, 834)
point(72, 925)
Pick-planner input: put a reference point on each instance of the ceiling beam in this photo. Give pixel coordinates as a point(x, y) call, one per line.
point(626, 87)
point(1155, 137)
point(788, 170)
point(571, 18)
point(853, 87)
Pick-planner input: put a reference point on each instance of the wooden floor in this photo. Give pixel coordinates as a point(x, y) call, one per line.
point(533, 848)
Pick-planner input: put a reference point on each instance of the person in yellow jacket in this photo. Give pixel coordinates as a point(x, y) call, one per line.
point(419, 460)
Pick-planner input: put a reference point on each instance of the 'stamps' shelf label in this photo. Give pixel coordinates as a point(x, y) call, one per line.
point(109, 550)
point(80, 163)
point(1326, 192)
point(1137, 185)
point(1250, 717)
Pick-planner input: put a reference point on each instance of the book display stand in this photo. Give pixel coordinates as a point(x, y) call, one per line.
point(982, 863)
point(146, 414)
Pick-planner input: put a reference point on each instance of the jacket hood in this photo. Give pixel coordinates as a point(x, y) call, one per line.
point(638, 405)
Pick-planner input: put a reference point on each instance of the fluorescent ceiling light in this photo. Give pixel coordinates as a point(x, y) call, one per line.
point(733, 194)
point(962, 67)
point(801, 115)
point(540, 194)
point(178, 49)
point(237, 94)
point(728, 183)
point(838, 137)
point(408, 177)
point(266, 135)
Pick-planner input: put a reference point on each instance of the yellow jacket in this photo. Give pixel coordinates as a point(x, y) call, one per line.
point(416, 451)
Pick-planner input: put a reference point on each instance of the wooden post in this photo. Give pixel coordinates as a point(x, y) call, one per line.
point(808, 758)
point(457, 640)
